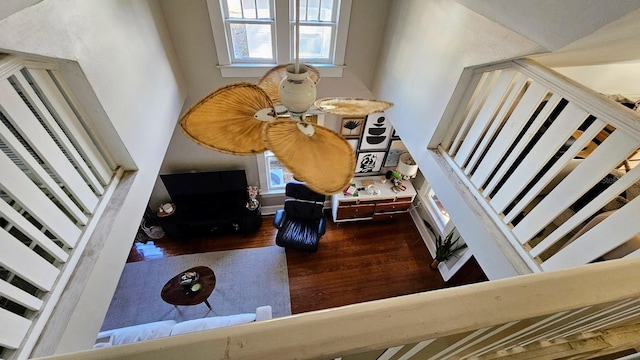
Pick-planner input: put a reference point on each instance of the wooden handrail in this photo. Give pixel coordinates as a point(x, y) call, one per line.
point(402, 320)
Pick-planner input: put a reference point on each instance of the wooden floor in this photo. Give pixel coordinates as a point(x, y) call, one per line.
point(355, 262)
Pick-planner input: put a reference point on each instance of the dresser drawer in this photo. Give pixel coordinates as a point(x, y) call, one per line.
point(393, 207)
point(355, 211)
point(385, 216)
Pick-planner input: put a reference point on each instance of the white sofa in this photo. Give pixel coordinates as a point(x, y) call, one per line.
point(158, 329)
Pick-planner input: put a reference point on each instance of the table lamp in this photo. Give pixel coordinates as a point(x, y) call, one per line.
point(407, 167)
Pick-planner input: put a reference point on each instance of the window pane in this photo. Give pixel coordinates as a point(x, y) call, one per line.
point(264, 12)
point(249, 9)
point(315, 42)
point(313, 9)
point(235, 9)
point(443, 212)
point(277, 173)
point(303, 10)
point(326, 10)
point(251, 41)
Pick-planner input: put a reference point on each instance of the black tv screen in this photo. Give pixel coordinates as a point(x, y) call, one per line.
point(203, 183)
point(202, 194)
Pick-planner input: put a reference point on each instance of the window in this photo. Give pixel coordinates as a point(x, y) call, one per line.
point(434, 208)
point(251, 36)
point(317, 29)
point(442, 212)
point(273, 175)
point(250, 26)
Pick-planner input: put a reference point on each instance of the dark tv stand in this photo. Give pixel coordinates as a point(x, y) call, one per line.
point(207, 203)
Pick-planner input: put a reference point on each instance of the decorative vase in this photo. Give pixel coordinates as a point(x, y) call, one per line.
point(253, 204)
point(434, 264)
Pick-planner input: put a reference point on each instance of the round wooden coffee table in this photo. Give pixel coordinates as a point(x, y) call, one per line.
point(176, 294)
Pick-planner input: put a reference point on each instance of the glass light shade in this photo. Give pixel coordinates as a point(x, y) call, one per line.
point(407, 166)
point(297, 92)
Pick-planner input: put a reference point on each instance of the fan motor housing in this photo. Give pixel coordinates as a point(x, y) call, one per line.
point(297, 92)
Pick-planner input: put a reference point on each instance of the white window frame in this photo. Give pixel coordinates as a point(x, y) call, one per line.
point(443, 224)
point(333, 24)
point(264, 176)
point(227, 28)
point(282, 40)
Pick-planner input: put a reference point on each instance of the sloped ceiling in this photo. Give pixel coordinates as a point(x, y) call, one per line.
point(8, 7)
point(616, 42)
point(553, 24)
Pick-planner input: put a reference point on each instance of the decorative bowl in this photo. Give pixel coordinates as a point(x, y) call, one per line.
point(188, 278)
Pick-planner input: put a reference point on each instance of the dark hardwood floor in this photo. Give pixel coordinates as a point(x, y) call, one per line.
point(355, 262)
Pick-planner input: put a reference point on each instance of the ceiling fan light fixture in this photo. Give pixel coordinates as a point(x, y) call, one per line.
point(297, 91)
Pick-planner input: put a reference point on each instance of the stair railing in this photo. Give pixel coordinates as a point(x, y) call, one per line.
point(545, 157)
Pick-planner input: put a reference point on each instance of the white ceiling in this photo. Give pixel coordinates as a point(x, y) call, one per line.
point(551, 23)
point(616, 42)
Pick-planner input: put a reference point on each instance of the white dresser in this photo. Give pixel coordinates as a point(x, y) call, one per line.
point(365, 206)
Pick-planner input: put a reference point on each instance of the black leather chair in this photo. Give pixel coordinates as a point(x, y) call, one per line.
point(301, 223)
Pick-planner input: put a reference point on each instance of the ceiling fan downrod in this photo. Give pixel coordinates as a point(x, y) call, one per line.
point(297, 91)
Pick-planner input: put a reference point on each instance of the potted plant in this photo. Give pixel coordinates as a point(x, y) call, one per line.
point(445, 247)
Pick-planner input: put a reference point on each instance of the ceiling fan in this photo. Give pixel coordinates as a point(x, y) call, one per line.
point(244, 118)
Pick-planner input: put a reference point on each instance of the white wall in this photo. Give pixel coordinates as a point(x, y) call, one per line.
point(123, 49)
point(608, 78)
point(190, 29)
point(428, 44)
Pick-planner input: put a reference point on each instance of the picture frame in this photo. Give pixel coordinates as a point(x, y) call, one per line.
point(314, 119)
point(354, 142)
point(376, 133)
point(369, 162)
point(395, 135)
point(396, 148)
point(351, 127)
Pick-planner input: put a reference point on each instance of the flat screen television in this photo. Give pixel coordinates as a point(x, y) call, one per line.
point(208, 196)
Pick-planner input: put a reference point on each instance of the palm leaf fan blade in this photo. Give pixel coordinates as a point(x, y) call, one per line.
point(325, 161)
point(224, 120)
point(351, 106)
point(270, 82)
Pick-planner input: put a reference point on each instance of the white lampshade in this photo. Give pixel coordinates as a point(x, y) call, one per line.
point(297, 92)
point(406, 165)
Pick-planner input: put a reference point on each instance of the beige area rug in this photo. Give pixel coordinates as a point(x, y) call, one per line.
point(245, 279)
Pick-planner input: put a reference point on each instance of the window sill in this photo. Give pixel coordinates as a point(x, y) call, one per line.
point(258, 70)
point(273, 193)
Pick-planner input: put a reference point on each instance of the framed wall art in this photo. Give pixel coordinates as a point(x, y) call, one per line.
point(351, 127)
point(354, 143)
point(377, 132)
point(396, 148)
point(313, 119)
point(369, 162)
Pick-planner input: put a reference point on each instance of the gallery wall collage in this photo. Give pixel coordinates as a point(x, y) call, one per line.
point(375, 142)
